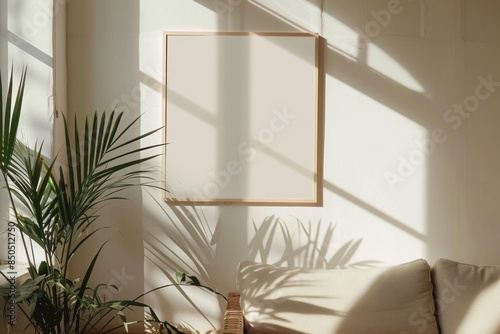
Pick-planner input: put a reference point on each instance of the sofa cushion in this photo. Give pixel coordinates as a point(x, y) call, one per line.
point(467, 297)
point(396, 299)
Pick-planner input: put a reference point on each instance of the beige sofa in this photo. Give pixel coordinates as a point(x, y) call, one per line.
point(415, 297)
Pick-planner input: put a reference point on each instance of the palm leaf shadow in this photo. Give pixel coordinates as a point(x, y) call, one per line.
point(185, 242)
point(183, 245)
point(304, 246)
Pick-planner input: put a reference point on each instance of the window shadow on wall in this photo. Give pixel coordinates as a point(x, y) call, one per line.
point(417, 106)
point(423, 104)
point(421, 100)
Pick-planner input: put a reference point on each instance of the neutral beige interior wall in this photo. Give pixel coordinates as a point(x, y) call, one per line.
point(406, 175)
point(103, 65)
point(482, 136)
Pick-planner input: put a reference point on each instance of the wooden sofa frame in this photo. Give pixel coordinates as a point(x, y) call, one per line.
point(234, 322)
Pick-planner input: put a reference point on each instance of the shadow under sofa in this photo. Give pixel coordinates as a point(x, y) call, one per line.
point(414, 297)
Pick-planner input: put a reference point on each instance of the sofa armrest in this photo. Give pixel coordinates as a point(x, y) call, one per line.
point(233, 317)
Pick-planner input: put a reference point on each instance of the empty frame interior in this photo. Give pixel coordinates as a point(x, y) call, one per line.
point(243, 119)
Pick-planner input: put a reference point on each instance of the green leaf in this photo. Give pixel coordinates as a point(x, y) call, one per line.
point(88, 273)
point(180, 277)
point(9, 120)
point(32, 304)
point(43, 269)
point(194, 281)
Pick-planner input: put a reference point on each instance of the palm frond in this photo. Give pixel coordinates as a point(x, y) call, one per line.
point(9, 120)
point(59, 209)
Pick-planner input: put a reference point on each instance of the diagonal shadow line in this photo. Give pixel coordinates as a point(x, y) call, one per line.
point(350, 197)
point(378, 82)
point(379, 96)
point(209, 4)
point(357, 75)
point(299, 26)
point(198, 111)
point(362, 204)
point(29, 48)
point(195, 109)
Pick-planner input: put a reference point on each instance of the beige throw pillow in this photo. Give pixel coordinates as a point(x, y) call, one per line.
point(467, 297)
point(396, 299)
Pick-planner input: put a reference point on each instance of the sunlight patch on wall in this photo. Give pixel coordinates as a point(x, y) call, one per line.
point(386, 65)
point(300, 14)
point(377, 158)
point(357, 44)
point(343, 38)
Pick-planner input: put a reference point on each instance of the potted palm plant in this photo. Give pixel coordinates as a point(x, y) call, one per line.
point(55, 208)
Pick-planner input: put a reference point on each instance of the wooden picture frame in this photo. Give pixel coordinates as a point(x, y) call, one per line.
point(243, 118)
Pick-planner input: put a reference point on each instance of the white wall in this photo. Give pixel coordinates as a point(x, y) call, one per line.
point(406, 176)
